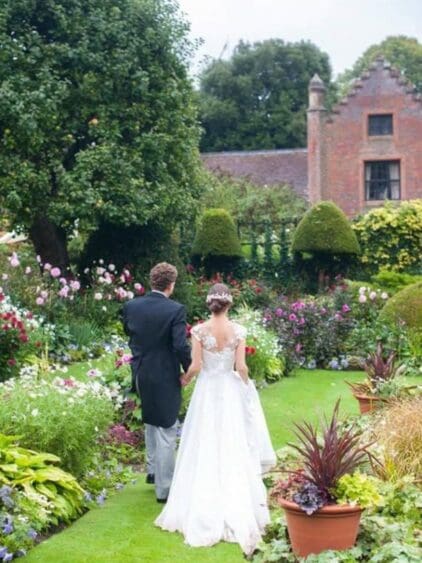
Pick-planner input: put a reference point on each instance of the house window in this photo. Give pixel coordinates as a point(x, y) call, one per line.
point(382, 180)
point(380, 124)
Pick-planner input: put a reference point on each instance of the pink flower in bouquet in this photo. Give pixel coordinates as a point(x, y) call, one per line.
point(39, 301)
point(44, 294)
point(346, 308)
point(63, 281)
point(362, 298)
point(55, 272)
point(47, 267)
point(292, 317)
point(279, 312)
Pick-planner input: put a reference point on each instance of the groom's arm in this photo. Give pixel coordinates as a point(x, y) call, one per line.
point(179, 341)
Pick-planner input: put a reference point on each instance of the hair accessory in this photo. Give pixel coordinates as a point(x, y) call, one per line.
point(225, 297)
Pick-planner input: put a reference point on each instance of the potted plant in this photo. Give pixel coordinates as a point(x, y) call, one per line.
point(381, 383)
point(322, 498)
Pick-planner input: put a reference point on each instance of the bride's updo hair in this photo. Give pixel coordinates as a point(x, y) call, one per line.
point(219, 298)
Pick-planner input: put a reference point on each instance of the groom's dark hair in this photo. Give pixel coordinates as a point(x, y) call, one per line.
point(162, 276)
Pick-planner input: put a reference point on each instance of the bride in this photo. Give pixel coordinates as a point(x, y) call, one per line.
point(217, 491)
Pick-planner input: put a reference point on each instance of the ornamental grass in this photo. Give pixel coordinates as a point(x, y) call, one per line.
point(399, 432)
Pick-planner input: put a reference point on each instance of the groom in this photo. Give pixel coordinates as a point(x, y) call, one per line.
point(156, 327)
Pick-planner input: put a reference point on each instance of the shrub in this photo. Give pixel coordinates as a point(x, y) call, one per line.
point(216, 242)
point(324, 241)
point(61, 416)
point(263, 352)
point(394, 281)
point(390, 237)
point(310, 332)
point(405, 307)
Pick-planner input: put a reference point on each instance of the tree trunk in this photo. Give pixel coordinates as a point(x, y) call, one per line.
point(50, 243)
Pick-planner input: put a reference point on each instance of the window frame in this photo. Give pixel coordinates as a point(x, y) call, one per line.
point(369, 183)
point(380, 115)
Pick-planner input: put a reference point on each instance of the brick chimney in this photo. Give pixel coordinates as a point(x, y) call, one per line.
point(316, 148)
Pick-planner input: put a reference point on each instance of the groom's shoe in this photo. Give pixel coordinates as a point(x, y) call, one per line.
point(162, 500)
point(150, 480)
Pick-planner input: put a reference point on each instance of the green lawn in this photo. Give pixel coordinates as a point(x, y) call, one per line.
point(122, 531)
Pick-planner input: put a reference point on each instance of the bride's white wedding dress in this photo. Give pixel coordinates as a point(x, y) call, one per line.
point(217, 491)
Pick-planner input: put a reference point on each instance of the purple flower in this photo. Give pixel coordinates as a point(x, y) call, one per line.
point(119, 486)
point(279, 312)
point(31, 533)
point(7, 526)
point(100, 499)
point(292, 317)
point(346, 308)
point(338, 317)
point(8, 557)
point(3, 552)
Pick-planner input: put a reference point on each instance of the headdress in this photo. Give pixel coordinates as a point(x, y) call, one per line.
point(224, 297)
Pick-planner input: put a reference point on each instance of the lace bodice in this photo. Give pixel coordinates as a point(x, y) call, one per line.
point(214, 357)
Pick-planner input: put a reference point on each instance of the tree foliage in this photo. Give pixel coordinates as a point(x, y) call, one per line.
point(325, 229)
point(324, 243)
point(97, 120)
point(216, 242)
point(403, 52)
point(258, 98)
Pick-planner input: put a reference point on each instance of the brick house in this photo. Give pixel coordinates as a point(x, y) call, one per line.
point(367, 149)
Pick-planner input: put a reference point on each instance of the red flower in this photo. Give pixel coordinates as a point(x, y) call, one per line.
point(188, 330)
point(250, 350)
point(11, 362)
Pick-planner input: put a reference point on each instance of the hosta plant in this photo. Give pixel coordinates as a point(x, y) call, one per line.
point(324, 461)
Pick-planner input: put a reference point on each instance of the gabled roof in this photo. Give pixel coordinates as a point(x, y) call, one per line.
point(268, 167)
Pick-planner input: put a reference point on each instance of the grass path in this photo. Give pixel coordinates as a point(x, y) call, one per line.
point(122, 531)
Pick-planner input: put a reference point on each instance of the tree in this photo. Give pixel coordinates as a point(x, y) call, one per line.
point(258, 98)
point(324, 241)
point(403, 52)
point(97, 117)
point(216, 242)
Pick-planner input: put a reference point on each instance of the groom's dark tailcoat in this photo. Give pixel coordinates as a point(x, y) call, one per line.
point(157, 330)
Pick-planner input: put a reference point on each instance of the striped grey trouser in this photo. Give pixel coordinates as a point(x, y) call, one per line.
point(160, 446)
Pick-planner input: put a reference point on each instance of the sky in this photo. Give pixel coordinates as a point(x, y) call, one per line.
point(341, 28)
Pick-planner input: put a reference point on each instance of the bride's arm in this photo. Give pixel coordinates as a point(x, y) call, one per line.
point(196, 364)
point(240, 361)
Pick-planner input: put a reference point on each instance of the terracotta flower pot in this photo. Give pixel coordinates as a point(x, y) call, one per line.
point(369, 403)
point(331, 527)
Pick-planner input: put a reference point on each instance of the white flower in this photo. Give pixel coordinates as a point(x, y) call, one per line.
point(35, 412)
point(372, 295)
point(111, 267)
point(384, 295)
point(362, 290)
point(362, 298)
point(98, 296)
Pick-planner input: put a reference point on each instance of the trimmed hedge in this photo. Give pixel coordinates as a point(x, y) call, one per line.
point(405, 306)
point(216, 235)
point(325, 229)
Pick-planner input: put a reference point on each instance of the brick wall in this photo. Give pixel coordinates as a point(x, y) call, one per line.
point(347, 145)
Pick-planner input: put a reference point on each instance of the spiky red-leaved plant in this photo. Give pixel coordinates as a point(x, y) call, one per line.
point(326, 460)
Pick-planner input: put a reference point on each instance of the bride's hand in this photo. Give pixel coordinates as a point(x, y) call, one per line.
point(185, 380)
